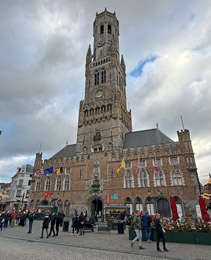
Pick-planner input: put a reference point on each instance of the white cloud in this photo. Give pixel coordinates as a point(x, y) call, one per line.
point(42, 57)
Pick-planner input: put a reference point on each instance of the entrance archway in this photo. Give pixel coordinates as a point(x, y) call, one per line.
point(164, 207)
point(96, 205)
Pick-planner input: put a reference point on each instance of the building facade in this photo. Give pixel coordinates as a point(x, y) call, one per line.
point(156, 167)
point(20, 188)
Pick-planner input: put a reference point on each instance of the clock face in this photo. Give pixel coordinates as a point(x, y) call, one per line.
point(99, 93)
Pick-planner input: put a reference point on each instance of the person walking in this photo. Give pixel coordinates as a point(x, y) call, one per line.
point(53, 222)
point(45, 225)
point(160, 234)
point(137, 227)
point(81, 224)
point(31, 219)
point(58, 222)
point(147, 220)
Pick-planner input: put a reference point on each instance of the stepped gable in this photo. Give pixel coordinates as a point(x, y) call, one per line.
point(146, 138)
point(67, 151)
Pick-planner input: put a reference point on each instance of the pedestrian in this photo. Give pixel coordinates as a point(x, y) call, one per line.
point(81, 224)
point(53, 222)
point(13, 217)
point(1, 221)
point(58, 222)
point(159, 230)
point(147, 220)
point(137, 227)
point(31, 219)
point(45, 225)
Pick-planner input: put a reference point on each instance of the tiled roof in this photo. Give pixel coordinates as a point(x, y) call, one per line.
point(146, 138)
point(67, 151)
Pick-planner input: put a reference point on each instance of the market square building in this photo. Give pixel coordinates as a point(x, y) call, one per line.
point(89, 180)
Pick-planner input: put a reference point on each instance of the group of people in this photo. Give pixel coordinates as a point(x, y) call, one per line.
point(78, 223)
point(147, 220)
point(55, 221)
point(13, 217)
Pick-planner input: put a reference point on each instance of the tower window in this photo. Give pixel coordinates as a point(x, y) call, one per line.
point(96, 77)
point(102, 29)
point(109, 28)
point(103, 76)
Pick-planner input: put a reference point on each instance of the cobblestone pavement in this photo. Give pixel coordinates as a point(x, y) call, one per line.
point(16, 243)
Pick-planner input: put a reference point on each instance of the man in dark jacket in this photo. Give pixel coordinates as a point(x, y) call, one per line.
point(53, 222)
point(147, 220)
point(31, 219)
point(159, 231)
point(45, 225)
point(58, 222)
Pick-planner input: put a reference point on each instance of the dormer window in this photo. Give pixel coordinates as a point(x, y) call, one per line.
point(102, 29)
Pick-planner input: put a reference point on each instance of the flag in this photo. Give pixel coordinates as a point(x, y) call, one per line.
point(121, 166)
point(59, 170)
point(156, 166)
point(38, 173)
point(48, 170)
point(138, 165)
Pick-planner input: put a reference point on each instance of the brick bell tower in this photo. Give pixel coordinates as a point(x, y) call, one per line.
point(103, 115)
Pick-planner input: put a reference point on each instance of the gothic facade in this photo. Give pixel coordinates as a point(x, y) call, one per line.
point(89, 180)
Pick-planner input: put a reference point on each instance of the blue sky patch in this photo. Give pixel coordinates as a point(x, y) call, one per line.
point(138, 70)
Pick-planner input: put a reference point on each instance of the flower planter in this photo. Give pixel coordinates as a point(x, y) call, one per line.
point(201, 238)
point(183, 237)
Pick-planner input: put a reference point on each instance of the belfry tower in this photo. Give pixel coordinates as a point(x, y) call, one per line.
point(103, 115)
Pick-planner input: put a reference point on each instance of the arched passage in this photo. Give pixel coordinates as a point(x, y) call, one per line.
point(96, 204)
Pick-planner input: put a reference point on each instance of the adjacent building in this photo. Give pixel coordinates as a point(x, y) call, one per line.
point(20, 188)
point(154, 167)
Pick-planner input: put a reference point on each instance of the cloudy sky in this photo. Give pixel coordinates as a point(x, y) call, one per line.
point(167, 49)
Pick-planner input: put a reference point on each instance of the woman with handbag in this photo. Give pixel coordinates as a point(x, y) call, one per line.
point(160, 233)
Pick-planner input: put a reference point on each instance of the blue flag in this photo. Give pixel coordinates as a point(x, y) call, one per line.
point(48, 170)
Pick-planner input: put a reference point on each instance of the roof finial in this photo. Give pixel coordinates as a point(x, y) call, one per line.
point(157, 124)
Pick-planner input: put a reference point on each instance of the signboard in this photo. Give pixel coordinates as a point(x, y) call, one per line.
point(114, 196)
point(47, 195)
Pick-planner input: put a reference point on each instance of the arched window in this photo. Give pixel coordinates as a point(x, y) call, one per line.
point(103, 109)
point(177, 178)
point(128, 180)
point(66, 183)
point(47, 184)
point(159, 178)
point(150, 208)
point(97, 110)
point(38, 185)
point(58, 183)
point(103, 76)
point(102, 29)
point(143, 178)
point(129, 203)
point(60, 205)
point(139, 204)
point(96, 77)
point(109, 29)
